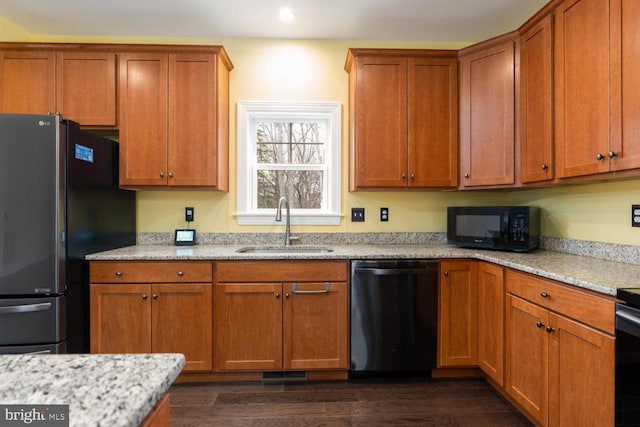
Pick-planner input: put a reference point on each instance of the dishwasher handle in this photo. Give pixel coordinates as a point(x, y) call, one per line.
point(395, 271)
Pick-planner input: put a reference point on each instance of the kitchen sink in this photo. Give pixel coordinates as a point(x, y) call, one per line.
point(284, 250)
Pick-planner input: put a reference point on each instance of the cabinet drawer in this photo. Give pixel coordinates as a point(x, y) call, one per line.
point(150, 272)
point(282, 271)
point(576, 304)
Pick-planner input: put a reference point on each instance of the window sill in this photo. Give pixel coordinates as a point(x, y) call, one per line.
point(296, 219)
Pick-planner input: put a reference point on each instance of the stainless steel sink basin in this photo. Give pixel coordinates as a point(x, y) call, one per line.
point(284, 250)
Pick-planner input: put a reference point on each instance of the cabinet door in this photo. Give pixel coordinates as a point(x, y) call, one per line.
point(536, 102)
point(458, 314)
point(581, 375)
point(487, 117)
point(182, 322)
point(625, 141)
point(379, 125)
point(27, 82)
point(526, 379)
point(316, 326)
point(120, 318)
point(432, 122)
point(247, 326)
point(143, 119)
point(192, 149)
point(582, 87)
point(86, 87)
point(491, 321)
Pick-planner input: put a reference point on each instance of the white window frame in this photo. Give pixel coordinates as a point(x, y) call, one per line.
point(250, 111)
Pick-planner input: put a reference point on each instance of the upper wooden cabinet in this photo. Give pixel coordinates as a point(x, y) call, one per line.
point(86, 87)
point(81, 86)
point(403, 109)
point(487, 113)
point(27, 81)
point(536, 102)
point(596, 105)
point(174, 119)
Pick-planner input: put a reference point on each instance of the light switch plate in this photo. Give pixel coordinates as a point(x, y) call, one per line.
point(357, 214)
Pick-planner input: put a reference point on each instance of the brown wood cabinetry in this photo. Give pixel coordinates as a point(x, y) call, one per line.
point(144, 307)
point(490, 282)
point(457, 314)
point(597, 108)
point(403, 111)
point(81, 86)
point(86, 87)
point(536, 102)
point(174, 119)
point(487, 113)
point(27, 81)
point(281, 315)
point(552, 341)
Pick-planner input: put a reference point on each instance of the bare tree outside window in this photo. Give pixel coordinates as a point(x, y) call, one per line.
point(284, 152)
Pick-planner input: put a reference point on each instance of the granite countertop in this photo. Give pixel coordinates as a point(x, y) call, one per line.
point(101, 390)
point(586, 272)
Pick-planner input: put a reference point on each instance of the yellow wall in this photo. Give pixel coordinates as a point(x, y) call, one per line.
point(313, 71)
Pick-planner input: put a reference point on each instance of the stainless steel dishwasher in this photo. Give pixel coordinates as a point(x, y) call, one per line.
point(394, 306)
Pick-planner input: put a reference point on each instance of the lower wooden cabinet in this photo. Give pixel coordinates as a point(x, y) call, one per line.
point(276, 323)
point(457, 314)
point(131, 317)
point(490, 282)
point(558, 369)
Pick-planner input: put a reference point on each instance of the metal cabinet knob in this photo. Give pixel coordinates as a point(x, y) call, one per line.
point(466, 175)
point(161, 174)
point(544, 167)
point(612, 154)
point(277, 295)
point(144, 296)
point(550, 329)
point(599, 156)
point(544, 295)
point(170, 174)
point(413, 176)
point(154, 296)
point(286, 295)
point(118, 273)
point(404, 176)
point(180, 273)
point(446, 273)
point(539, 324)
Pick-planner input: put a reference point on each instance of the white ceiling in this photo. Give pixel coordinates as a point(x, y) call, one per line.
point(392, 20)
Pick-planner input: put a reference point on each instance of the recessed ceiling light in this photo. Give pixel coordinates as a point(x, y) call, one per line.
point(286, 14)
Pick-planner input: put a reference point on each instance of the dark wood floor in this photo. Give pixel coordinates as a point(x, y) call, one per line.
point(362, 403)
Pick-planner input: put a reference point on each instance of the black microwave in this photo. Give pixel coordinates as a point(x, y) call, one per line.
point(505, 228)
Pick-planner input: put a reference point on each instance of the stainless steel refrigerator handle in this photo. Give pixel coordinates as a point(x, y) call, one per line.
point(27, 308)
point(394, 271)
point(629, 317)
point(327, 286)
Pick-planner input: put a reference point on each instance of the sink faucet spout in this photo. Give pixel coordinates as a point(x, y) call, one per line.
point(287, 227)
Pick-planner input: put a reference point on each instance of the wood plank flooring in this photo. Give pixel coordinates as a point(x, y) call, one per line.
point(469, 402)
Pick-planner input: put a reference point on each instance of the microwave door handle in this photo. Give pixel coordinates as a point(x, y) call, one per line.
point(25, 308)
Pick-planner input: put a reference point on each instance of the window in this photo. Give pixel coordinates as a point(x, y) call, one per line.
point(289, 149)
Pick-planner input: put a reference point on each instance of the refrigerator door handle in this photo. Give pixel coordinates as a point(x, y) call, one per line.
point(25, 308)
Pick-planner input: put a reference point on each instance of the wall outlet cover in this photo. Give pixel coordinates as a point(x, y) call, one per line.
point(635, 215)
point(384, 214)
point(189, 214)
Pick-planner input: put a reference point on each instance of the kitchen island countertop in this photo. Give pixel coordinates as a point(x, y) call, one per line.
point(101, 390)
point(586, 272)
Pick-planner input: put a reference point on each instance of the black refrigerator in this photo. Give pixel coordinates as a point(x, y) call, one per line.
point(59, 201)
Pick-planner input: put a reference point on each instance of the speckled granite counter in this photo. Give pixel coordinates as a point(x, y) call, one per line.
point(586, 272)
point(101, 390)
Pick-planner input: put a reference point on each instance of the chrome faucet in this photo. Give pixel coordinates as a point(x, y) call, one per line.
point(287, 227)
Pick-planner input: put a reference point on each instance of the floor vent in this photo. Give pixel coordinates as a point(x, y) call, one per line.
point(284, 376)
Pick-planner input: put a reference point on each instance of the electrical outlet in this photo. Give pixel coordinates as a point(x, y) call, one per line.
point(384, 214)
point(357, 214)
point(188, 214)
point(635, 215)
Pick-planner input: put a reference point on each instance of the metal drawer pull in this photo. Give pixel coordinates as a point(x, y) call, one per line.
point(27, 308)
point(327, 287)
point(544, 295)
point(118, 273)
point(180, 273)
